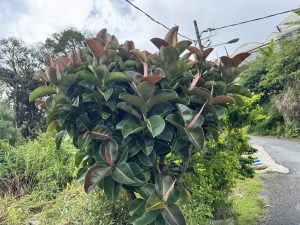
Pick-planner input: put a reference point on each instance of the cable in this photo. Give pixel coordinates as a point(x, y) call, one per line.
point(277, 39)
point(156, 21)
point(248, 21)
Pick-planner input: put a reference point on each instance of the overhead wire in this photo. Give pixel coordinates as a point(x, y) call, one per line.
point(277, 39)
point(251, 20)
point(155, 20)
point(210, 29)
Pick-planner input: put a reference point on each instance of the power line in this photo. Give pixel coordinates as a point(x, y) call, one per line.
point(248, 21)
point(156, 21)
point(277, 39)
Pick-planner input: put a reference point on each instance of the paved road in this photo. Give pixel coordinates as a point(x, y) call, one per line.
point(282, 191)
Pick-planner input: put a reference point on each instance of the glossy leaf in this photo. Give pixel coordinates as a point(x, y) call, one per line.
point(83, 123)
point(137, 207)
point(182, 46)
point(154, 202)
point(237, 89)
point(146, 218)
point(173, 215)
point(196, 136)
point(124, 106)
point(186, 113)
point(116, 77)
point(161, 97)
point(158, 42)
point(41, 92)
point(123, 174)
point(58, 138)
point(174, 119)
point(109, 151)
point(94, 175)
point(222, 99)
point(156, 125)
point(134, 100)
point(130, 127)
point(111, 188)
point(171, 36)
point(101, 132)
point(164, 186)
point(95, 47)
point(145, 90)
point(201, 92)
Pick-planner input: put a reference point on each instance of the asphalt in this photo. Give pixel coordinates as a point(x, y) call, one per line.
point(282, 191)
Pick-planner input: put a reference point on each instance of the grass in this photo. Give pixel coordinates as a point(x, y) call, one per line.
point(248, 206)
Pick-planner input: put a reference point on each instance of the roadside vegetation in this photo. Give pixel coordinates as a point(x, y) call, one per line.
point(40, 184)
point(275, 77)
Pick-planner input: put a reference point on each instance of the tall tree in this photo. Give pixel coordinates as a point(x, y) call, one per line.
point(17, 65)
point(61, 44)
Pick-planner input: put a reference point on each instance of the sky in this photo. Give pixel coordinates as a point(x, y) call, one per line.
point(35, 20)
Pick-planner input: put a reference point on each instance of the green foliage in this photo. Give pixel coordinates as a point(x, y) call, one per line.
point(276, 76)
point(214, 176)
point(248, 206)
point(61, 44)
point(270, 74)
point(36, 167)
point(37, 186)
point(17, 65)
point(127, 110)
point(7, 130)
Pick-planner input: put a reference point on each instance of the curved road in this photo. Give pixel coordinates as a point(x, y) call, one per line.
point(282, 191)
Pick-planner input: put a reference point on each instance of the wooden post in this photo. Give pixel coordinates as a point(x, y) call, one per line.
point(198, 36)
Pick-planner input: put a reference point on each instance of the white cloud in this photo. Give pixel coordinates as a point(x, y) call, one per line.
point(34, 20)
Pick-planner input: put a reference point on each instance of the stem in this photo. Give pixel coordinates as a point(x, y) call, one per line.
point(161, 163)
point(130, 195)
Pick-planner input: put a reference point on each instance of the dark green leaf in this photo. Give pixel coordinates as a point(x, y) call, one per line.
point(111, 188)
point(137, 207)
point(94, 175)
point(174, 119)
point(108, 93)
point(167, 55)
point(101, 132)
point(124, 106)
point(123, 174)
point(156, 125)
point(186, 113)
point(146, 218)
point(145, 90)
point(173, 215)
point(164, 186)
point(134, 100)
point(130, 127)
point(83, 142)
point(89, 78)
point(146, 190)
point(58, 138)
point(161, 97)
point(196, 136)
point(83, 123)
point(154, 202)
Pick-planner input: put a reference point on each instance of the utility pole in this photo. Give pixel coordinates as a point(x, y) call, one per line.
point(198, 36)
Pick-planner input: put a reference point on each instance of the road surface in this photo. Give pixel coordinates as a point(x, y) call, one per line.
point(282, 191)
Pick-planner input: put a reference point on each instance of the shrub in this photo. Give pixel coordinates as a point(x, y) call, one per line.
point(36, 166)
point(128, 110)
point(7, 130)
